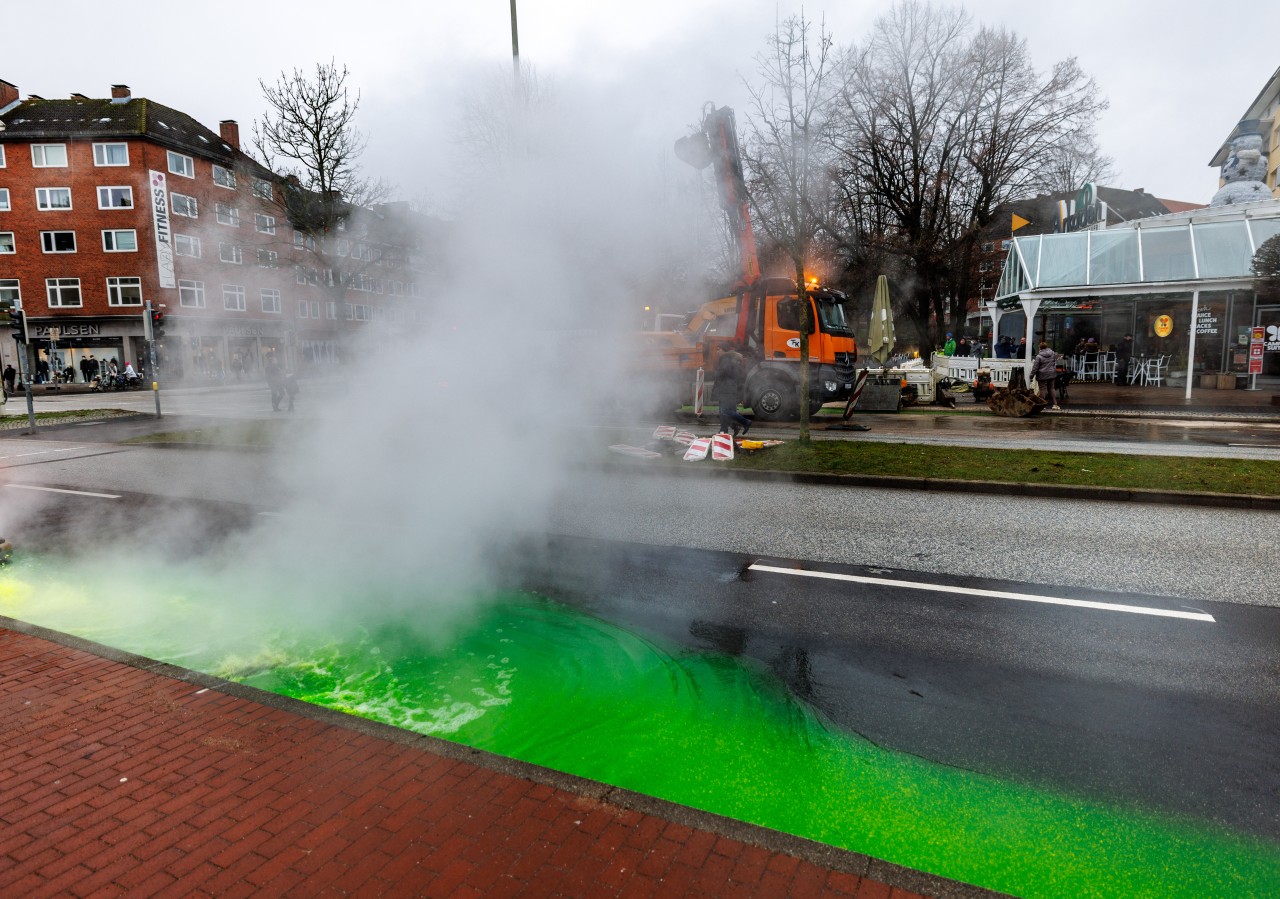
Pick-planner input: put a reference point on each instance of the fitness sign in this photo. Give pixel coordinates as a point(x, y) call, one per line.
point(164, 233)
point(1085, 210)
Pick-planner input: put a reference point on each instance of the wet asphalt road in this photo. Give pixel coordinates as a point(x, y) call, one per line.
point(1171, 715)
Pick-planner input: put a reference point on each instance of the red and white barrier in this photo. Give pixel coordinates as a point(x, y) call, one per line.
point(685, 437)
point(664, 432)
point(722, 448)
point(697, 450)
point(860, 383)
point(638, 451)
point(698, 388)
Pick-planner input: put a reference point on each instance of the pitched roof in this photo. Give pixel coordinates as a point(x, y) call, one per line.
point(90, 119)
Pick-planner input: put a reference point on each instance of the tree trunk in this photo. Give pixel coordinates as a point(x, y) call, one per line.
point(806, 325)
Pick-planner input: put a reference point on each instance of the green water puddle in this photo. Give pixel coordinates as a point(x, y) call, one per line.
point(535, 680)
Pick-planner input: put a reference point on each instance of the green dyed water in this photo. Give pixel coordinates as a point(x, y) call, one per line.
point(535, 680)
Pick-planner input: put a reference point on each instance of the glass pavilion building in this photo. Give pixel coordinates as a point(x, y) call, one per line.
point(1181, 284)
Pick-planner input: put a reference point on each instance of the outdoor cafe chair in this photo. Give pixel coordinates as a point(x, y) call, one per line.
point(1089, 371)
point(1108, 367)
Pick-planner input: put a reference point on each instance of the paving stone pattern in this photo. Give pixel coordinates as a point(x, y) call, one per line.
point(117, 780)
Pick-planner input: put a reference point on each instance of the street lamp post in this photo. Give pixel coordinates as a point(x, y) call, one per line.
point(515, 44)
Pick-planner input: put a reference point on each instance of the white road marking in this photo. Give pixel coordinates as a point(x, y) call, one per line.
point(993, 594)
point(57, 490)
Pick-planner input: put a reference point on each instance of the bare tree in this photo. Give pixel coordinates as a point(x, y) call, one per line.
point(942, 126)
point(787, 155)
point(1266, 270)
point(308, 137)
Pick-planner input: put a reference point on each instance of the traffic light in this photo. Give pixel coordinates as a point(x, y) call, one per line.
point(157, 326)
point(18, 322)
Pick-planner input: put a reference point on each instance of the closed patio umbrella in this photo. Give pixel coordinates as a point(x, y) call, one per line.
point(881, 338)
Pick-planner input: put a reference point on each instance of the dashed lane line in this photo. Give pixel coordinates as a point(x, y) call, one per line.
point(990, 594)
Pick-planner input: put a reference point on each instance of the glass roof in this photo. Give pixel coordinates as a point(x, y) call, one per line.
point(1201, 245)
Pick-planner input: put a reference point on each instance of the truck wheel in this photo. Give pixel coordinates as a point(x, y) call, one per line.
point(773, 402)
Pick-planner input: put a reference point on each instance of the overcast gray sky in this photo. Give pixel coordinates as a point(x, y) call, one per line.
point(1178, 74)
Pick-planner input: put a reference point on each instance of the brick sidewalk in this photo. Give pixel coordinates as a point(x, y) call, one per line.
point(124, 776)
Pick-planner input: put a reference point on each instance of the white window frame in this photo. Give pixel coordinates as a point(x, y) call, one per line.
point(187, 202)
point(193, 290)
point(115, 286)
point(227, 176)
point(236, 292)
point(190, 243)
point(8, 243)
point(304, 309)
point(262, 189)
point(11, 290)
point(42, 202)
point(110, 187)
point(4, 200)
point(100, 153)
point(272, 294)
point(2, 163)
point(47, 240)
point(53, 287)
point(237, 253)
point(227, 215)
point(264, 224)
point(185, 165)
point(116, 249)
point(40, 153)
point(267, 258)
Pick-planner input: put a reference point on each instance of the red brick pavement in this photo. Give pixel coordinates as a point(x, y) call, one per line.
point(123, 776)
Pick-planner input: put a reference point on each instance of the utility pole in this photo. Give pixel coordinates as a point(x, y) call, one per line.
point(515, 44)
point(149, 333)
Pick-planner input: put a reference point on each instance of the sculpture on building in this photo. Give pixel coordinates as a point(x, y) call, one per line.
point(1243, 173)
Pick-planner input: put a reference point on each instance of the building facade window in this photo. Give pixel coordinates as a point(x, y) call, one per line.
point(230, 252)
point(180, 164)
point(224, 177)
point(186, 245)
point(110, 154)
point(58, 241)
point(11, 291)
point(191, 294)
point(267, 258)
point(4, 199)
point(228, 215)
point(233, 297)
point(304, 241)
point(62, 292)
point(7, 244)
point(262, 188)
point(180, 204)
point(1, 156)
point(122, 241)
point(55, 198)
point(304, 309)
point(115, 197)
point(124, 291)
point(49, 156)
point(266, 224)
point(270, 300)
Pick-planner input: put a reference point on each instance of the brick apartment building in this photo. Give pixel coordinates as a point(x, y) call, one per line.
point(106, 204)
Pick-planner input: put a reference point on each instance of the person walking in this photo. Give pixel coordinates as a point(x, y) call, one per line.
point(1044, 369)
point(85, 366)
point(1124, 352)
point(9, 376)
point(727, 391)
point(275, 380)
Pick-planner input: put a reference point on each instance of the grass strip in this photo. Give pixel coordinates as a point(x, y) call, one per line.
point(1247, 476)
point(250, 433)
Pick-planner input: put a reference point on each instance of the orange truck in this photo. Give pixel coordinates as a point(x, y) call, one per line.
point(761, 317)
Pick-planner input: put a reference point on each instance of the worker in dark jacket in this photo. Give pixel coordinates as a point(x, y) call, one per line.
point(727, 392)
point(1044, 368)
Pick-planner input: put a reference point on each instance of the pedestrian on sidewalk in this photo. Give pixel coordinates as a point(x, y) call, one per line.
point(1124, 352)
point(1044, 370)
point(727, 391)
point(291, 387)
point(9, 376)
point(275, 380)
